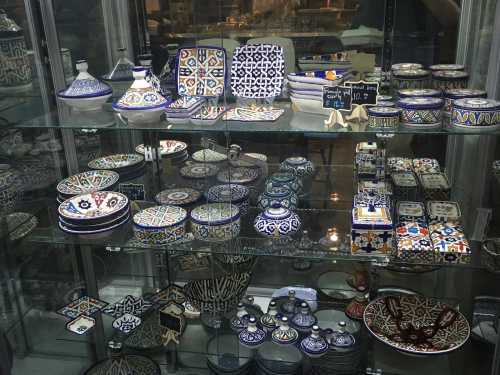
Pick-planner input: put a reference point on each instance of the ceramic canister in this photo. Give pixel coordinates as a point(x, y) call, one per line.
point(288, 180)
point(406, 66)
point(454, 94)
point(420, 93)
point(298, 165)
point(421, 112)
point(450, 79)
point(476, 113)
point(160, 224)
point(410, 79)
point(230, 193)
point(437, 67)
point(278, 195)
point(383, 117)
point(277, 222)
point(215, 222)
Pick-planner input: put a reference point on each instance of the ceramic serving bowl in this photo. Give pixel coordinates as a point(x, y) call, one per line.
point(235, 194)
point(406, 66)
point(454, 94)
point(410, 79)
point(276, 222)
point(160, 224)
point(476, 114)
point(278, 196)
point(215, 222)
point(416, 324)
point(423, 113)
point(87, 182)
point(386, 118)
point(450, 79)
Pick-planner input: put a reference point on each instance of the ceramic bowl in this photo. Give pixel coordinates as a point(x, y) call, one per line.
point(160, 224)
point(476, 114)
point(299, 166)
point(423, 113)
point(215, 222)
point(450, 79)
point(454, 94)
point(278, 196)
point(87, 182)
point(117, 162)
point(386, 118)
point(277, 222)
point(235, 194)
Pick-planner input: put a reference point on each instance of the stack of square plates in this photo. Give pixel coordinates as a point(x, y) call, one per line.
point(93, 213)
point(128, 166)
point(170, 149)
point(182, 109)
point(86, 182)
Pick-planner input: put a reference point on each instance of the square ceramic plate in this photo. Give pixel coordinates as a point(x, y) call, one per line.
point(128, 305)
point(81, 324)
point(250, 114)
point(82, 306)
point(434, 181)
point(404, 179)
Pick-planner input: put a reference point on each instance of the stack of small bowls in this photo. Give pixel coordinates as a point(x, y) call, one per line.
point(86, 182)
point(128, 166)
point(160, 225)
point(170, 149)
point(93, 213)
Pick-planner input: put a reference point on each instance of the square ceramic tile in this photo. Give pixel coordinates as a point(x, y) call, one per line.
point(412, 229)
point(81, 324)
point(201, 71)
point(127, 323)
point(399, 164)
point(258, 71)
point(443, 211)
point(253, 114)
point(128, 305)
point(82, 306)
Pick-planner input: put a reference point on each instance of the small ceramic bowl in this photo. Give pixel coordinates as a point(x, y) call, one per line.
point(298, 165)
point(383, 117)
point(278, 195)
point(230, 193)
point(454, 94)
point(476, 114)
point(283, 179)
point(276, 222)
point(450, 79)
point(160, 224)
point(215, 222)
point(423, 113)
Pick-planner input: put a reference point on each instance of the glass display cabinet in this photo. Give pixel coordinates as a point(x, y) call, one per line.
point(249, 187)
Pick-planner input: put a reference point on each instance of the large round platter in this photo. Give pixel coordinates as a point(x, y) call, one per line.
point(240, 175)
point(87, 182)
point(178, 196)
point(168, 147)
point(160, 217)
point(117, 162)
point(199, 170)
point(93, 227)
point(420, 316)
point(208, 156)
point(93, 206)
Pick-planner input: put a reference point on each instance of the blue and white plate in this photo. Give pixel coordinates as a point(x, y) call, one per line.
point(199, 170)
point(117, 162)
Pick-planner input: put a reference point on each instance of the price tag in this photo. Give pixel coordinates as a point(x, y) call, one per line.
point(338, 97)
point(134, 192)
point(364, 93)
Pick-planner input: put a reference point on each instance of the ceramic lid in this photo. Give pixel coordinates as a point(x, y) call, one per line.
point(207, 155)
point(160, 217)
point(464, 93)
point(371, 216)
point(88, 182)
point(399, 164)
point(404, 179)
point(296, 160)
point(434, 181)
point(379, 111)
point(426, 165)
point(227, 193)
point(239, 175)
point(199, 170)
point(7, 24)
point(381, 187)
point(215, 213)
point(409, 93)
point(385, 103)
point(85, 85)
point(420, 103)
point(92, 206)
point(415, 209)
point(167, 147)
point(477, 104)
point(178, 196)
point(116, 161)
point(411, 73)
point(384, 98)
point(406, 66)
point(446, 209)
point(282, 177)
point(276, 213)
point(447, 67)
point(447, 75)
point(122, 71)
point(277, 192)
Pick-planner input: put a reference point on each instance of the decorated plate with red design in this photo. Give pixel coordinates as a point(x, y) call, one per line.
point(93, 206)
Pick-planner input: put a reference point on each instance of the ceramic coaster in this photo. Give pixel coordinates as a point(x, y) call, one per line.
point(128, 305)
point(127, 323)
point(82, 306)
point(81, 324)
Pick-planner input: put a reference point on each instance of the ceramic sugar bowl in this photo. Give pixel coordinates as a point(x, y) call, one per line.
point(141, 103)
point(276, 222)
point(475, 114)
point(85, 93)
point(277, 195)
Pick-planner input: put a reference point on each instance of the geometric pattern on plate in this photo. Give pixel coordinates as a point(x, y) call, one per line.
point(160, 216)
point(167, 147)
point(199, 170)
point(81, 324)
point(88, 182)
point(434, 181)
point(171, 293)
point(127, 323)
point(239, 175)
point(129, 305)
point(416, 324)
point(82, 306)
point(116, 161)
point(207, 155)
point(253, 114)
point(93, 205)
point(257, 71)
point(177, 196)
point(209, 113)
point(201, 71)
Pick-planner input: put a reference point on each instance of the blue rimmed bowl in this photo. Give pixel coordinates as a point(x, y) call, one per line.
point(215, 222)
point(476, 114)
point(426, 113)
point(420, 93)
point(160, 224)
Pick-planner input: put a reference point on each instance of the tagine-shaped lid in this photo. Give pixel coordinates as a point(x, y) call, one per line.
point(141, 95)
point(122, 71)
point(252, 336)
point(314, 345)
point(284, 334)
point(304, 319)
point(269, 320)
point(8, 27)
point(240, 320)
point(146, 61)
point(85, 85)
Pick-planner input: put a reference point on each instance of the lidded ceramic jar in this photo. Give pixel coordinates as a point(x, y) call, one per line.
point(121, 76)
point(454, 94)
point(420, 93)
point(146, 61)
point(476, 114)
point(282, 196)
point(285, 179)
point(425, 113)
point(269, 320)
point(290, 307)
point(215, 222)
point(341, 339)
point(298, 165)
point(230, 193)
point(240, 320)
point(85, 93)
point(141, 103)
point(160, 224)
point(450, 79)
point(304, 319)
point(276, 222)
point(252, 336)
point(284, 334)
point(410, 79)
point(406, 66)
point(314, 345)
point(386, 118)
point(356, 307)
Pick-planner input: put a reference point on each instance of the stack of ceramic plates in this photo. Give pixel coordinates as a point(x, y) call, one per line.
point(170, 149)
point(277, 359)
point(86, 182)
point(128, 166)
point(226, 357)
point(183, 108)
point(93, 213)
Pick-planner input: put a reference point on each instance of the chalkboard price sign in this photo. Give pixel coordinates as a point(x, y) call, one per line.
point(363, 93)
point(134, 192)
point(337, 97)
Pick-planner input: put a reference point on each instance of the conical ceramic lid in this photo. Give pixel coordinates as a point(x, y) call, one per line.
point(85, 85)
point(141, 95)
point(122, 71)
point(8, 25)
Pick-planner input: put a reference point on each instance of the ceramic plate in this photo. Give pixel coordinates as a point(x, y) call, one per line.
point(92, 206)
point(81, 324)
point(117, 161)
point(160, 217)
point(79, 231)
point(88, 182)
point(251, 114)
point(416, 324)
point(208, 156)
point(239, 175)
point(127, 323)
point(167, 147)
point(178, 196)
point(199, 170)
point(82, 306)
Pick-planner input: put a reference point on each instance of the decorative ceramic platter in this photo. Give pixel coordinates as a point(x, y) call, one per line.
point(83, 230)
point(201, 71)
point(117, 161)
point(178, 196)
point(160, 216)
point(82, 306)
point(257, 71)
point(95, 205)
point(184, 104)
point(250, 114)
point(447, 67)
point(416, 324)
point(199, 170)
point(239, 175)
point(227, 193)
point(215, 213)
point(88, 182)
point(128, 305)
point(167, 147)
point(209, 113)
point(208, 156)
